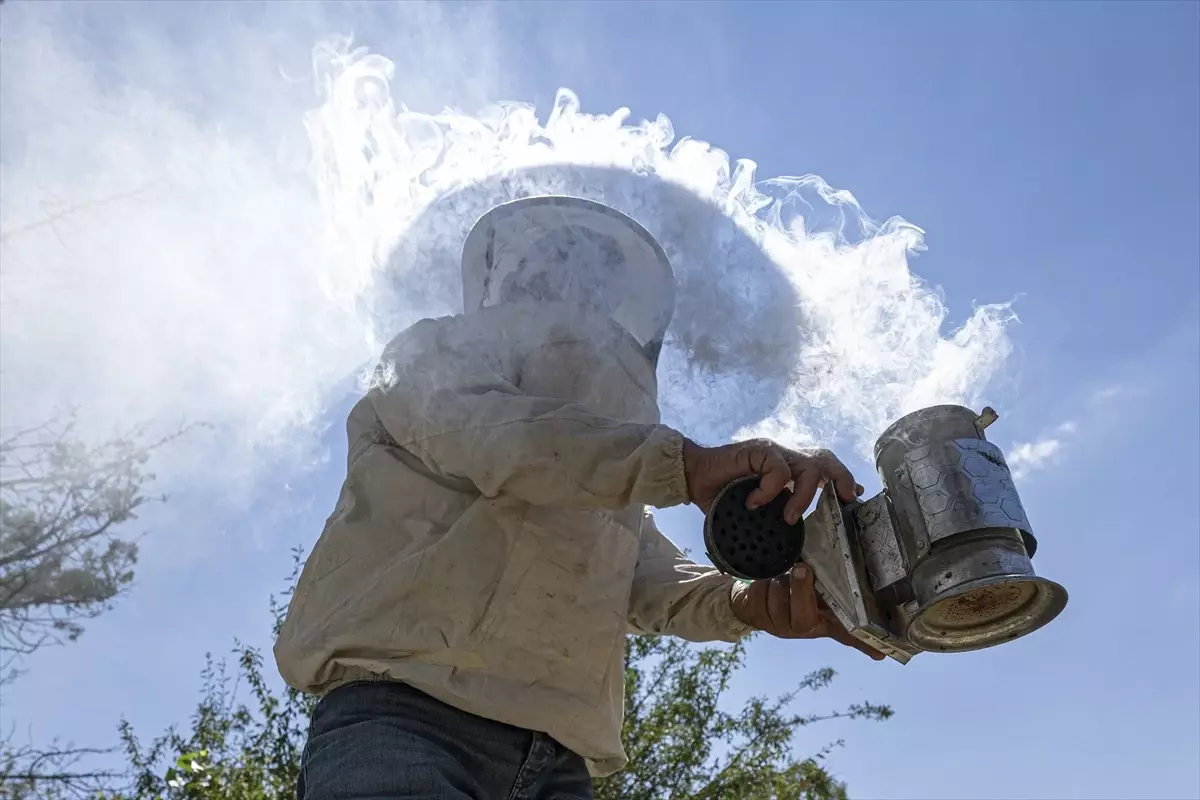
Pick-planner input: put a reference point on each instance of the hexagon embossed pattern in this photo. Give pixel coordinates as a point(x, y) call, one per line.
point(974, 473)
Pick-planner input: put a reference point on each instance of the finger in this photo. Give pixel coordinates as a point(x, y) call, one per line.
point(832, 628)
point(767, 461)
point(840, 634)
point(804, 613)
point(834, 470)
point(778, 605)
point(806, 477)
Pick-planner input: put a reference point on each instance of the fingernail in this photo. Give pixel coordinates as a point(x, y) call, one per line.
point(791, 518)
point(800, 572)
point(753, 505)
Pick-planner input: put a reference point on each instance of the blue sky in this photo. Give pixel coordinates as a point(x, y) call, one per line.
point(1051, 152)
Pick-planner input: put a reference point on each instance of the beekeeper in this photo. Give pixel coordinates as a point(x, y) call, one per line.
point(463, 615)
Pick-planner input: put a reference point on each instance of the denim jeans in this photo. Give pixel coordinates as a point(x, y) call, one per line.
point(380, 739)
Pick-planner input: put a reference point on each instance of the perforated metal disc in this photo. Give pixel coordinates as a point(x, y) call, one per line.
point(751, 544)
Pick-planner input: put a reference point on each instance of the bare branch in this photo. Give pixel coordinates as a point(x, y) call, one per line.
point(56, 771)
point(64, 556)
point(52, 217)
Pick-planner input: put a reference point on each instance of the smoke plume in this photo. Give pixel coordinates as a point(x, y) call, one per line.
point(160, 263)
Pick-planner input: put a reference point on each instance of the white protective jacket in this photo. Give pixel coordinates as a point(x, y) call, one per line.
point(491, 545)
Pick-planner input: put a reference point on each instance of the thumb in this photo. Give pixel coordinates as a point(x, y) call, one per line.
point(802, 576)
point(805, 608)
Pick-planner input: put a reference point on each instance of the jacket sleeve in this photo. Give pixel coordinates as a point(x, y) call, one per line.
point(673, 595)
point(449, 397)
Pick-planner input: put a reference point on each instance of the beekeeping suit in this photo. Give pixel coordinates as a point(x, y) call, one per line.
point(491, 545)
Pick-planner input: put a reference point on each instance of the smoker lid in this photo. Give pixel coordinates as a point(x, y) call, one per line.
point(639, 277)
point(752, 545)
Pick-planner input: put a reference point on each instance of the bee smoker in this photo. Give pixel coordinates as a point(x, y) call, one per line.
point(939, 561)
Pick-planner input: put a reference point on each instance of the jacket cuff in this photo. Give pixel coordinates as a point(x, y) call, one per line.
point(666, 474)
point(735, 628)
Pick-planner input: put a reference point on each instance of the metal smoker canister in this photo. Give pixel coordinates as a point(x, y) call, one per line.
point(964, 532)
point(940, 560)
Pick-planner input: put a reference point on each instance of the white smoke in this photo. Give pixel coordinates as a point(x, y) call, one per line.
point(158, 266)
point(1027, 457)
point(872, 346)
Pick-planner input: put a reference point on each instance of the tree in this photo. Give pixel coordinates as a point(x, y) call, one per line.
point(63, 502)
point(681, 744)
point(52, 773)
point(63, 556)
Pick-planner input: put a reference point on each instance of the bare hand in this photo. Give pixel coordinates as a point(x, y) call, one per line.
point(711, 469)
point(788, 607)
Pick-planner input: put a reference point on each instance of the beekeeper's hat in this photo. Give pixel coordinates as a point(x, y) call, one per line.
point(557, 248)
